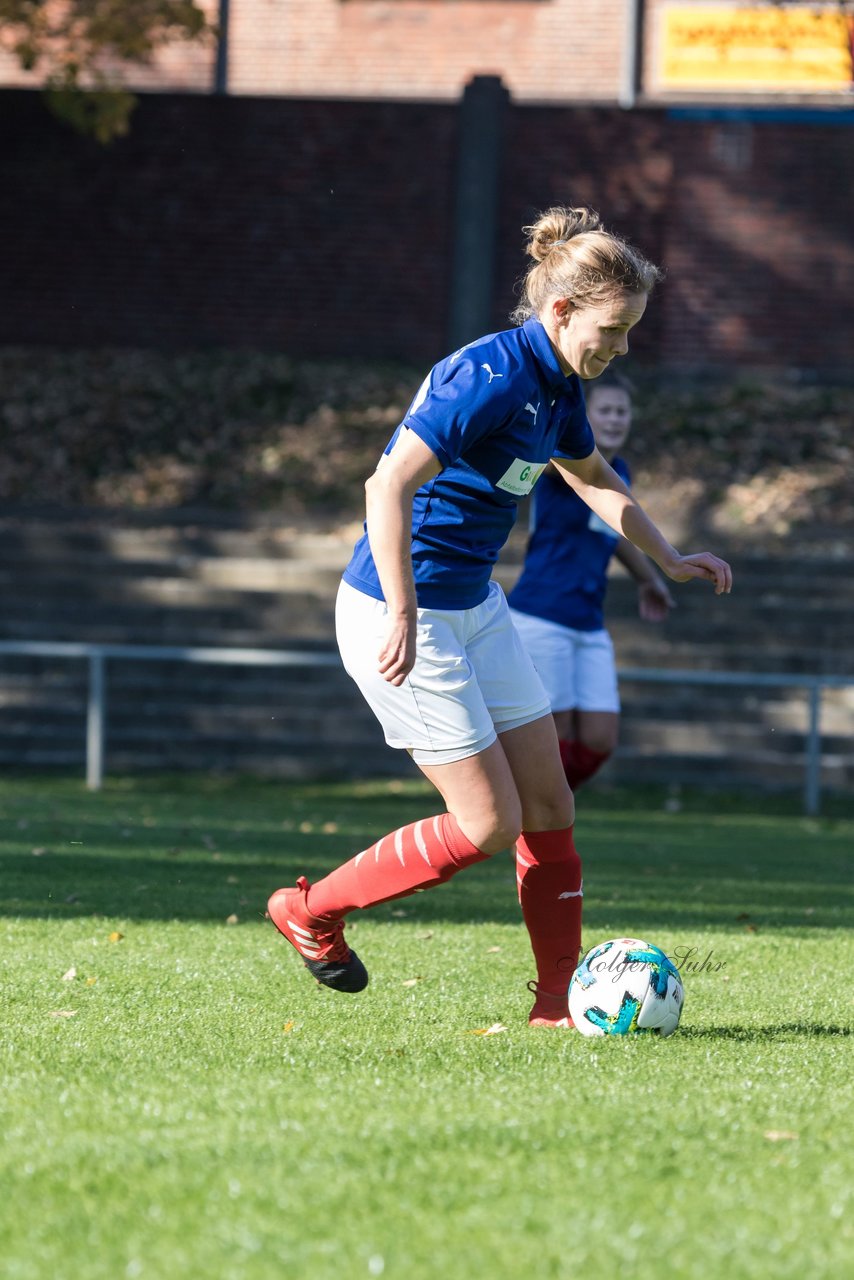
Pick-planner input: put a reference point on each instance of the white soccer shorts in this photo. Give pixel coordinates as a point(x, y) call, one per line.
point(577, 668)
point(472, 677)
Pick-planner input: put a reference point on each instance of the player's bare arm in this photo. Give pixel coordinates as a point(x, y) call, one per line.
point(654, 598)
point(388, 495)
point(597, 484)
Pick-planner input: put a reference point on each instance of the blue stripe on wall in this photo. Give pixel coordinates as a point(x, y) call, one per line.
point(766, 115)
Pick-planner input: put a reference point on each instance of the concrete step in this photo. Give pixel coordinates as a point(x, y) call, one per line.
point(264, 556)
point(301, 620)
point(763, 773)
point(164, 580)
point(95, 549)
point(672, 736)
point(153, 693)
point(266, 594)
point(305, 756)
point(770, 580)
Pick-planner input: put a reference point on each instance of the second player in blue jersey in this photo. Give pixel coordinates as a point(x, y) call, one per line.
point(558, 601)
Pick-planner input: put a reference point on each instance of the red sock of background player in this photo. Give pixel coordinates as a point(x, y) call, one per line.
point(419, 856)
point(548, 874)
point(580, 762)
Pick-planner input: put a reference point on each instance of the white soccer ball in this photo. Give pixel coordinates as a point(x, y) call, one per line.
point(626, 987)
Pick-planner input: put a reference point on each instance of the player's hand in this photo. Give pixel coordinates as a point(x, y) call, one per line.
point(701, 565)
point(654, 601)
point(397, 656)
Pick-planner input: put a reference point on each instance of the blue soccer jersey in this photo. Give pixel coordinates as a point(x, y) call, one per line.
point(565, 575)
point(493, 413)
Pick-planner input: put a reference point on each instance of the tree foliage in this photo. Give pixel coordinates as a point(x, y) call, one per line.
point(79, 48)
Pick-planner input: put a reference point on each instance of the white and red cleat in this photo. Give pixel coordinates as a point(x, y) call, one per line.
point(319, 942)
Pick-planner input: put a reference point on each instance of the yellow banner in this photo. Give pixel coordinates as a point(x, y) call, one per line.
point(727, 47)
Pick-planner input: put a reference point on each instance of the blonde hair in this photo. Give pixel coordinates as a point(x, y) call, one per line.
point(575, 257)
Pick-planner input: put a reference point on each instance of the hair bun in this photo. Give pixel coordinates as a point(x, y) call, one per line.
point(557, 226)
point(575, 257)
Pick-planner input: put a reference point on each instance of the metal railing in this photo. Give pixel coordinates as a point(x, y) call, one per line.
point(97, 656)
point(813, 686)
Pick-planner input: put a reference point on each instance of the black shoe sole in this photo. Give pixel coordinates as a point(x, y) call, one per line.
point(350, 977)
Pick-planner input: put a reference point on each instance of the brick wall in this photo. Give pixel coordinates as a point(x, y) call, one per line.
point(750, 217)
point(544, 50)
point(231, 222)
point(760, 246)
point(327, 226)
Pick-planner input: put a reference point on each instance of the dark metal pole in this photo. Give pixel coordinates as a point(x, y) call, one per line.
point(221, 64)
point(631, 81)
point(482, 113)
point(95, 721)
point(812, 782)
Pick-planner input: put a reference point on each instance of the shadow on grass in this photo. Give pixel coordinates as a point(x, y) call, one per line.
point(191, 849)
point(182, 884)
point(783, 1031)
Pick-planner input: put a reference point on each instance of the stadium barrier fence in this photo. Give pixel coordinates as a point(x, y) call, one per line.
point(97, 656)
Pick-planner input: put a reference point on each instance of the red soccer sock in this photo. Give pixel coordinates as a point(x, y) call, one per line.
point(580, 762)
point(419, 856)
point(548, 873)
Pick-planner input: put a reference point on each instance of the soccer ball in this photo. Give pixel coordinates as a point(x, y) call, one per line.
point(626, 987)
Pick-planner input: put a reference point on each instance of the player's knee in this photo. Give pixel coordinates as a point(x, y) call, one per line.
point(503, 836)
point(551, 815)
point(497, 830)
point(548, 806)
point(602, 741)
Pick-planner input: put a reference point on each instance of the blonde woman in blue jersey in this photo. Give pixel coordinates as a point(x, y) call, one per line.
point(428, 636)
point(557, 603)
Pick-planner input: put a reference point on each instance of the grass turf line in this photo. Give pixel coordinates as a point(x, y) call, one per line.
point(209, 1111)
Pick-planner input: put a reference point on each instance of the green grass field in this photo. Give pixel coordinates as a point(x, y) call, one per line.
point(179, 1099)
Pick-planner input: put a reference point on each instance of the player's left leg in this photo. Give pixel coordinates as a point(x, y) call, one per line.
point(547, 864)
point(548, 868)
point(596, 717)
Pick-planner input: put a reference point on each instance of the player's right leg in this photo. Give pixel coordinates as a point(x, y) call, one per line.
point(440, 716)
